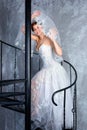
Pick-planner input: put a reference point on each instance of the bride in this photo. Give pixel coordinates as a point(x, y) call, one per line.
point(50, 78)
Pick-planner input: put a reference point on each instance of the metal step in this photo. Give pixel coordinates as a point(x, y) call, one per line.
point(16, 108)
point(10, 94)
point(8, 82)
point(8, 101)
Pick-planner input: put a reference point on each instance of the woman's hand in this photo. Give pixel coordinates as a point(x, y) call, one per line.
point(52, 33)
point(35, 14)
point(23, 29)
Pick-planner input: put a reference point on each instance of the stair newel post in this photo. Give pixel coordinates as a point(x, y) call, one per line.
point(27, 65)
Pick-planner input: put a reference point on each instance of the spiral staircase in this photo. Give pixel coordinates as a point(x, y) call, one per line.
point(9, 99)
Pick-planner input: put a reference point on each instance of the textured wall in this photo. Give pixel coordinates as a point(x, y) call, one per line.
point(70, 17)
point(11, 19)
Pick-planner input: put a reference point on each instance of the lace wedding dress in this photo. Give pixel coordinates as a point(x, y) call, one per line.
point(50, 78)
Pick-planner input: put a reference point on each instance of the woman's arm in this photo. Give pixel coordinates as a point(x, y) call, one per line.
point(56, 47)
point(33, 37)
point(35, 14)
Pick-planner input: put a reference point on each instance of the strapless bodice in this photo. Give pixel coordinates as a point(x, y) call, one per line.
point(46, 55)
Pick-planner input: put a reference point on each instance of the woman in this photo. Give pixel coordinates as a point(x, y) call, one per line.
point(50, 78)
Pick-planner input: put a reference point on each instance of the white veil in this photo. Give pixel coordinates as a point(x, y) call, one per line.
point(49, 29)
point(20, 38)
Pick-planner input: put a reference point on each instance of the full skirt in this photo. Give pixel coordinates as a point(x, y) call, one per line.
point(44, 113)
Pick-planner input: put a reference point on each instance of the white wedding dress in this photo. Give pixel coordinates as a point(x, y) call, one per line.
point(50, 78)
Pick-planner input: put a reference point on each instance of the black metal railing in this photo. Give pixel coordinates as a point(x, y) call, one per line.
point(11, 99)
point(71, 86)
point(4, 96)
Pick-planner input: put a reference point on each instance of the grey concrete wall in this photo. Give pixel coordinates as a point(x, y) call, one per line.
point(11, 18)
point(70, 17)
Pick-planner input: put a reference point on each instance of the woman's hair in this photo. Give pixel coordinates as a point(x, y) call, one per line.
point(32, 25)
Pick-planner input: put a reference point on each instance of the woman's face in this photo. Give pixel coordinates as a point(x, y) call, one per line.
point(37, 29)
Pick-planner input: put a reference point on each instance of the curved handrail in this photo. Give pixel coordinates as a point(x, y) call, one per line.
point(66, 87)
